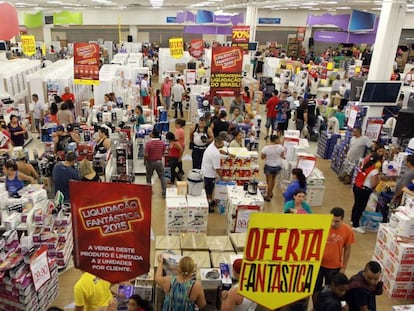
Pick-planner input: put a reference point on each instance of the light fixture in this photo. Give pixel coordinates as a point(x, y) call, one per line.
point(156, 4)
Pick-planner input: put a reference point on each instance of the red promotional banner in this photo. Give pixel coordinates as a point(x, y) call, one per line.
point(241, 37)
point(111, 229)
point(197, 48)
point(86, 63)
point(226, 69)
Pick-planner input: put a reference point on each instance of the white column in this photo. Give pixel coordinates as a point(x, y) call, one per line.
point(308, 34)
point(386, 44)
point(251, 20)
point(47, 35)
point(133, 31)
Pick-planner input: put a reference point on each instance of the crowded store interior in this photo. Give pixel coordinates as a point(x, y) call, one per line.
point(156, 166)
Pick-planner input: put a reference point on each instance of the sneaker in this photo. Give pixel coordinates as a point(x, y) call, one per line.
point(359, 230)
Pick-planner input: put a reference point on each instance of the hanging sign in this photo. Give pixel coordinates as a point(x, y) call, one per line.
point(196, 48)
point(111, 230)
point(282, 257)
point(28, 45)
point(86, 63)
point(374, 127)
point(176, 47)
point(241, 37)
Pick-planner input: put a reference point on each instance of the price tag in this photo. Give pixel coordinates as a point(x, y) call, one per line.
point(40, 268)
point(243, 216)
point(373, 130)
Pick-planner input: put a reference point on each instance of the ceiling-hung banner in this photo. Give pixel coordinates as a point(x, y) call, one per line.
point(241, 37)
point(176, 47)
point(68, 18)
point(86, 63)
point(28, 45)
point(33, 20)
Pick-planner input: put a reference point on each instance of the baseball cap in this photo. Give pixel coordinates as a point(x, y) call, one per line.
point(237, 265)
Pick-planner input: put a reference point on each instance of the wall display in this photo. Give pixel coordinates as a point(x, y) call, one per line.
point(241, 37)
point(112, 230)
point(86, 63)
point(286, 251)
point(28, 45)
point(176, 47)
point(226, 69)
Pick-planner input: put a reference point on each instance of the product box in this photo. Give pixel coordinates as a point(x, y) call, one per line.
point(402, 252)
point(145, 292)
point(163, 242)
point(210, 277)
point(397, 271)
point(405, 226)
point(395, 289)
point(225, 276)
point(385, 235)
point(218, 257)
point(403, 307)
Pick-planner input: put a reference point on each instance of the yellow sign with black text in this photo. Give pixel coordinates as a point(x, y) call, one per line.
point(28, 45)
point(176, 47)
point(282, 257)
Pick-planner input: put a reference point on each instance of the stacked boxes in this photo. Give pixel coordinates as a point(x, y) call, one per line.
point(176, 215)
point(241, 168)
point(397, 260)
point(240, 205)
point(326, 144)
point(197, 214)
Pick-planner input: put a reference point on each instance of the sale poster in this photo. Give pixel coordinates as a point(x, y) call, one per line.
point(111, 229)
point(282, 257)
point(241, 37)
point(39, 267)
point(28, 45)
point(176, 47)
point(374, 127)
point(226, 69)
point(197, 48)
point(86, 63)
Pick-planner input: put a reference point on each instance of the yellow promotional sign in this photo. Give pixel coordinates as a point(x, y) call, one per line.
point(282, 257)
point(176, 47)
point(28, 45)
point(330, 66)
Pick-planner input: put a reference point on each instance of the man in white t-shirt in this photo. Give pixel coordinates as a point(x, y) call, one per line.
point(38, 109)
point(210, 166)
point(177, 93)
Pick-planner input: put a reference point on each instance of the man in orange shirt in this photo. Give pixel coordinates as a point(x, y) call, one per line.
point(68, 95)
point(337, 250)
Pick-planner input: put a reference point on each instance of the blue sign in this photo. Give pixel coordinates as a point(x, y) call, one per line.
point(269, 20)
point(171, 19)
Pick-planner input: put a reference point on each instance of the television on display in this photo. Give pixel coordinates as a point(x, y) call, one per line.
point(3, 46)
point(404, 126)
point(380, 93)
point(361, 21)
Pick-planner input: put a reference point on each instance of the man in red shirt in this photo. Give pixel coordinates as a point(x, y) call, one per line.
point(68, 95)
point(337, 250)
point(271, 113)
point(154, 152)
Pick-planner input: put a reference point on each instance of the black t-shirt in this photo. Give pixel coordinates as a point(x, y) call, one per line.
point(360, 295)
point(328, 301)
point(220, 126)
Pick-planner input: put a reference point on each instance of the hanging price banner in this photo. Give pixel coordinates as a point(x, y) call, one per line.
point(28, 45)
point(176, 47)
point(373, 130)
point(40, 268)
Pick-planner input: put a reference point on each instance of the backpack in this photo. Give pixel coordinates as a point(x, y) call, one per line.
point(362, 175)
point(178, 298)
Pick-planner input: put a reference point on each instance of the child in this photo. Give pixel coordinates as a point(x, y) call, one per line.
point(174, 155)
point(329, 299)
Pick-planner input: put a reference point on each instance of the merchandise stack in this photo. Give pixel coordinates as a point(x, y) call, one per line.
point(185, 213)
point(240, 205)
point(241, 168)
point(339, 152)
point(326, 144)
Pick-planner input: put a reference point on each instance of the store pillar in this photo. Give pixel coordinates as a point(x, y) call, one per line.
point(385, 47)
point(133, 32)
point(47, 35)
point(251, 19)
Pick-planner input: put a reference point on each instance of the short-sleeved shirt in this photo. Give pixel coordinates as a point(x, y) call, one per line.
point(338, 238)
point(62, 174)
point(92, 292)
point(271, 105)
point(360, 295)
point(291, 204)
point(38, 108)
point(177, 93)
point(154, 149)
point(357, 147)
point(179, 135)
point(273, 154)
point(211, 161)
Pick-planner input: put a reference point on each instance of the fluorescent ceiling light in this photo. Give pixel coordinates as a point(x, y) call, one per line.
point(315, 9)
point(343, 8)
point(54, 2)
point(156, 3)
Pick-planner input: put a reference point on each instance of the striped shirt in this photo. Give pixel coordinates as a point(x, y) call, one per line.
point(154, 150)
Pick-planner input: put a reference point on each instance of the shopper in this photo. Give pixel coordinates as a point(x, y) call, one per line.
point(218, 101)
point(175, 152)
point(301, 118)
point(238, 140)
point(177, 95)
point(271, 113)
point(64, 115)
point(180, 136)
point(340, 116)
point(337, 251)
point(154, 152)
point(136, 303)
point(62, 173)
point(232, 300)
point(330, 297)
point(24, 167)
point(220, 124)
point(86, 171)
point(210, 167)
point(139, 116)
point(273, 154)
point(166, 92)
point(366, 180)
point(53, 113)
point(92, 293)
point(68, 95)
point(182, 291)
point(145, 91)
point(364, 287)
point(62, 139)
point(200, 137)
point(38, 109)
point(103, 143)
point(298, 204)
point(17, 131)
point(405, 179)
point(298, 182)
point(237, 102)
point(236, 117)
point(15, 179)
point(5, 137)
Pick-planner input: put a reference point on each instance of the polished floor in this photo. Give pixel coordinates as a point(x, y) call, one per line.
point(336, 194)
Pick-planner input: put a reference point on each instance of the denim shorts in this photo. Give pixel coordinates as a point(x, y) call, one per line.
point(272, 170)
point(270, 122)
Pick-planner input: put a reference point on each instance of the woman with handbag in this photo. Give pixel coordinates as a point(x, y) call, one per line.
point(182, 291)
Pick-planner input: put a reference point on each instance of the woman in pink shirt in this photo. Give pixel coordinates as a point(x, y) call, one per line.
point(179, 136)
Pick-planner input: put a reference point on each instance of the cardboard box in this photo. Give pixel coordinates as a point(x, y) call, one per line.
point(405, 226)
point(397, 271)
point(210, 277)
point(385, 236)
point(402, 252)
